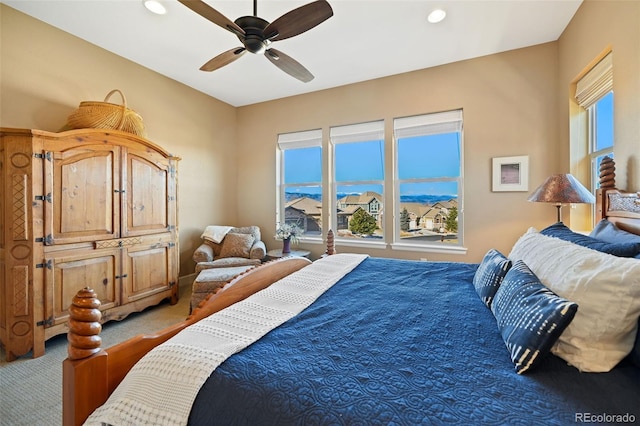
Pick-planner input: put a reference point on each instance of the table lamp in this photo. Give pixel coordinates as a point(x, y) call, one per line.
point(562, 189)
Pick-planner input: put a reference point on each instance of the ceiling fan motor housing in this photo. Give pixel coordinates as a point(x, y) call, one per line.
point(253, 39)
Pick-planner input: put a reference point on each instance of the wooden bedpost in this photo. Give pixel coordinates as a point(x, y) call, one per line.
point(81, 395)
point(607, 179)
point(331, 247)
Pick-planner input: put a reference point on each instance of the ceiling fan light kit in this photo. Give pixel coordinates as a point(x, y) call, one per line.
point(257, 34)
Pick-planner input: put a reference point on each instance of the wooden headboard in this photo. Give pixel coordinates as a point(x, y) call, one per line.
point(619, 207)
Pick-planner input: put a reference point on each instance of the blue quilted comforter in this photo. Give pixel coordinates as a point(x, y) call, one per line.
point(403, 343)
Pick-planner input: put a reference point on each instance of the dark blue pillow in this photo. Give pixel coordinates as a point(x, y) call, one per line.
point(489, 275)
point(610, 233)
point(530, 316)
point(622, 249)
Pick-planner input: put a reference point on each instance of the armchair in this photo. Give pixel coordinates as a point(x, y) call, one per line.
point(239, 247)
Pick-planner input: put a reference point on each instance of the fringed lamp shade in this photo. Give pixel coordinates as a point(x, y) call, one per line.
point(562, 189)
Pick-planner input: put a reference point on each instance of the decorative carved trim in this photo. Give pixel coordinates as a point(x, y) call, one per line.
point(19, 207)
point(123, 242)
point(20, 280)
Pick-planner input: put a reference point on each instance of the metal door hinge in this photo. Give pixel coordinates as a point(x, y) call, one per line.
point(171, 245)
point(172, 283)
point(47, 322)
point(46, 155)
point(48, 264)
point(46, 198)
point(122, 276)
point(48, 240)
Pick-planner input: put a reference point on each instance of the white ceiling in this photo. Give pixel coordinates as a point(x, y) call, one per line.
point(364, 39)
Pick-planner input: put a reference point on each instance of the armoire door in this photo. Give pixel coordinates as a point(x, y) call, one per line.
point(68, 271)
point(82, 194)
point(147, 269)
point(148, 190)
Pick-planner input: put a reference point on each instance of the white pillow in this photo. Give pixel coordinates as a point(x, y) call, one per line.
point(606, 289)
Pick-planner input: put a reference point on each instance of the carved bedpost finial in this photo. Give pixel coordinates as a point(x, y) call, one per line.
point(607, 173)
point(331, 248)
point(84, 325)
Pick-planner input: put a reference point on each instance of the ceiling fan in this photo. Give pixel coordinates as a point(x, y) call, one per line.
point(256, 34)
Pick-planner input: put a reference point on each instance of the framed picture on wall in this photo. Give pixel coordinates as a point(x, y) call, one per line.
point(511, 173)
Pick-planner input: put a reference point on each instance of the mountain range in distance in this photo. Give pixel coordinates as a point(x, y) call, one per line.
point(420, 198)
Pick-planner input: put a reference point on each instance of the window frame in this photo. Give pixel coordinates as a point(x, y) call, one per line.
point(370, 131)
point(429, 124)
point(298, 140)
point(592, 140)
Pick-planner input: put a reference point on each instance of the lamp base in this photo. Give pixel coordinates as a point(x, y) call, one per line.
point(559, 207)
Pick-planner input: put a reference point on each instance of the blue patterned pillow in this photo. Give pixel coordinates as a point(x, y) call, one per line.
point(490, 274)
point(620, 249)
point(530, 316)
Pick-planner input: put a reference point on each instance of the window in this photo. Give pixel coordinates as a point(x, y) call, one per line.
point(594, 92)
point(428, 181)
point(358, 181)
point(600, 134)
point(300, 180)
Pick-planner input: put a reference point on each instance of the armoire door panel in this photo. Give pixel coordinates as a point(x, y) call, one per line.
point(68, 273)
point(147, 271)
point(147, 188)
point(85, 195)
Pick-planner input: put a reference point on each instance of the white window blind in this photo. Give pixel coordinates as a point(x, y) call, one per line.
point(428, 124)
point(305, 139)
point(362, 132)
point(596, 83)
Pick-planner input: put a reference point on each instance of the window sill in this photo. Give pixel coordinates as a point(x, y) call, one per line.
point(430, 248)
point(361, 243)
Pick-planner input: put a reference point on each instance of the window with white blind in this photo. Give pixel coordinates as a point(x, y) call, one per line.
point(594, 92)
point(358, 181)
point(428, 179)
point(300, 181)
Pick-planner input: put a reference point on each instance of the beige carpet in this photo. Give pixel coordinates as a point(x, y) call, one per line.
point(31, 389)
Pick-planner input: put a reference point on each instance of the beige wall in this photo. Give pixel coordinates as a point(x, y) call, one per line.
point(600, 26)
point(515, 103)
point(46, 72)
point(509, 109)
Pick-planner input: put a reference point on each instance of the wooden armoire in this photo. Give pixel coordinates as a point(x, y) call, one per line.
point(82, 208)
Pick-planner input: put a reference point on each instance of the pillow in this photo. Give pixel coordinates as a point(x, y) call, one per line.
point(530, 316)
point(236, 245)
point(610, 233)
point(621, 249)
point(607, 289)
point(489, 275)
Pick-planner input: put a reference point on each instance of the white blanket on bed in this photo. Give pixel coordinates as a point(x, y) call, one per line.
point(161, 387)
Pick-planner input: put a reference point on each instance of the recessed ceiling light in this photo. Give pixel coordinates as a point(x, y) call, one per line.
point(155, 6)
point(436, 16)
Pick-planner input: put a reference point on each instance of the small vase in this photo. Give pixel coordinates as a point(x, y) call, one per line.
point(286, 243)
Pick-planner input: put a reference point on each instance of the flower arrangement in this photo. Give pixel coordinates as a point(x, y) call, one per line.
point(289, 232)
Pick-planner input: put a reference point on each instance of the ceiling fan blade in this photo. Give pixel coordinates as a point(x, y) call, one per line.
point(206, 11)
point(289, 65)
point(223, 59)
point(299, 20)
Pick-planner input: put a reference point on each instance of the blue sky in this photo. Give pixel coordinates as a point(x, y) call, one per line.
point(418, 158)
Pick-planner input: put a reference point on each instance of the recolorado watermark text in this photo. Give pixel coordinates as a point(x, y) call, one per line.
point(604, 418)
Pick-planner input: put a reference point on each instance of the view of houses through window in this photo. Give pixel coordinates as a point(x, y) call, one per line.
point(427, 181)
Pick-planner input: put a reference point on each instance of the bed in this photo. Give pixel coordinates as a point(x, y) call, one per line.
point(427, 346)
